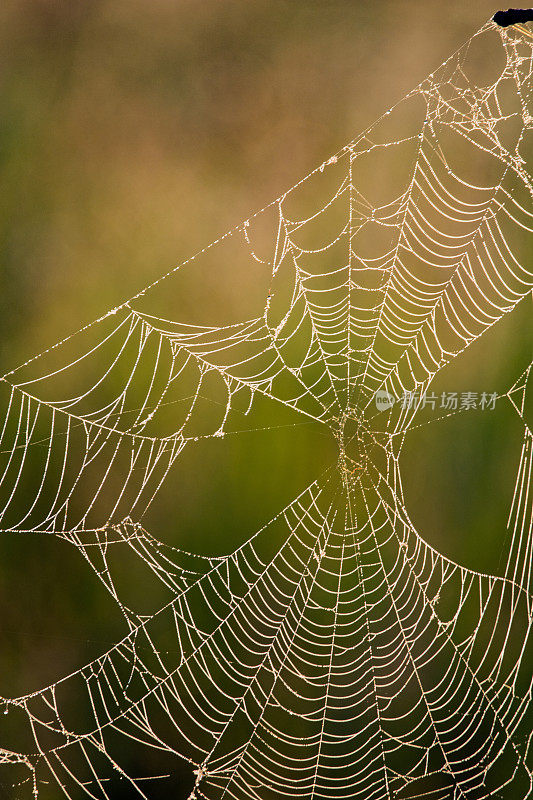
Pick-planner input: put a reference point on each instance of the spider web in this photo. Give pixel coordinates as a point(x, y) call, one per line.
point(335, 653)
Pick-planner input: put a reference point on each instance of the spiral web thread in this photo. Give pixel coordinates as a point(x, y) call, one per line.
point(335, 653)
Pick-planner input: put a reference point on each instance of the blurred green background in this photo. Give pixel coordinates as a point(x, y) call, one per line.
point(131, 135)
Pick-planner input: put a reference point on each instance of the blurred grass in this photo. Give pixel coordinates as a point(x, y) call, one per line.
point(135, 133)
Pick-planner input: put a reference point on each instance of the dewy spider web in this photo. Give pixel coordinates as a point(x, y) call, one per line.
point(335, 653)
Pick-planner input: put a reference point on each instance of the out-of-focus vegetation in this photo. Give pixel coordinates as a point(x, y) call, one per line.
point(134, 133)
